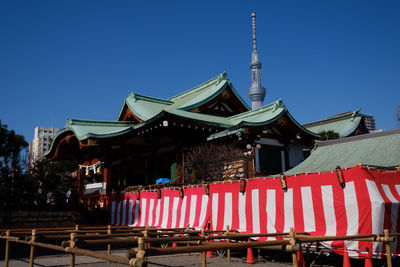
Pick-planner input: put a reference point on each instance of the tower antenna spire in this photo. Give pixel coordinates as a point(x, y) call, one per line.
point(253, 18)
point(256, 91)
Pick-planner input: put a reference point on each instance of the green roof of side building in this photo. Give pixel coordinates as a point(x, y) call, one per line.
point(345, 124)
point(380, 149)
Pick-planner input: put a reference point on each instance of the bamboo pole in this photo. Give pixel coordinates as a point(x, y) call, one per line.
point(109, 245)
point(32, 251)
point(7, 253)
point(210, 246)
point(203, 255)
point(108, 242)
point(292, 236)
point(388, 250)
point(103, 256)
point(228, 251)
point(72, 255)
point(374, 237)
point(82, 236)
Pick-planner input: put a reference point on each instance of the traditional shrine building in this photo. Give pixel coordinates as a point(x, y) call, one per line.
point(151, 135)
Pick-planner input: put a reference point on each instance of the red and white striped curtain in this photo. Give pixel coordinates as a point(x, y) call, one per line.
point(169, 211)
point(314, 203)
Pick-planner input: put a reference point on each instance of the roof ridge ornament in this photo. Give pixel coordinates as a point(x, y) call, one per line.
point(132, 95)
point(256, 91)
point(355, 113)
point(222, 77)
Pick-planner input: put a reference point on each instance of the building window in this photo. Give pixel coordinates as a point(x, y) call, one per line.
point(270, 160)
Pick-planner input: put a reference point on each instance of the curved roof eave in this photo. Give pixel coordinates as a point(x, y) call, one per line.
point(195, 117)
point(103, 136)
point(301, 127)
point(205, 100)
point(351, 130)
point(238, 96)
point(121, 110)
point(226, 84)
point(260, 123)
point(59, 133)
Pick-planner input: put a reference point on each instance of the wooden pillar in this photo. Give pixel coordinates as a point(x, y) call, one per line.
point(286, 153)
point(80, 182)
point(107, 179)
point(179, 166)
point(250, 167)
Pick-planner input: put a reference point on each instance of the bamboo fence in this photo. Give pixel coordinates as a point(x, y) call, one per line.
point(79, 239)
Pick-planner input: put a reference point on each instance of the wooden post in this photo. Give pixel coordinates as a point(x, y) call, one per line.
point(292, 237)
point(146, 235)
point(6, 257)
point(188, 229)
point(204, 258)
point(228, 251)
point(32, 254)
point(141, 254)
point(388, 251)
point(72, 255)
point(109, 245)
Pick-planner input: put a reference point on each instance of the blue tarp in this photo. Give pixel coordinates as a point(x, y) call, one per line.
point(162, 181)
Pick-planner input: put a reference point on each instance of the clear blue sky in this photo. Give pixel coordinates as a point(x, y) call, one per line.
point(79, 59)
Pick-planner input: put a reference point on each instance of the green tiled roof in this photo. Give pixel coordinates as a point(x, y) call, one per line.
point(259, 116)
point(344, 124)
point(145, 107)
point(375, 149)
point(204, 92)
point(84, 129)
point(149, 109)
point(208, 119)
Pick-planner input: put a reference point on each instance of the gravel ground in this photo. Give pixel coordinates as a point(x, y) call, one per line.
point(175, 260)
point(45, 258)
